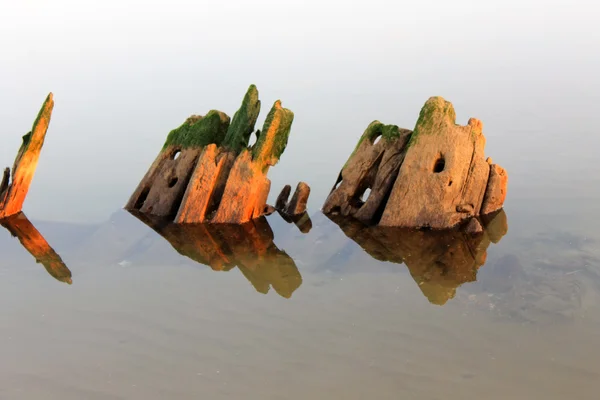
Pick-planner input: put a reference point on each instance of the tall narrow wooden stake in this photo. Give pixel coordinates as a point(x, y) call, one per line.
point(13, 193)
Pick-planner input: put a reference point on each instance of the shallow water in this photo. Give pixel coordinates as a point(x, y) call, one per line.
point(303, 314)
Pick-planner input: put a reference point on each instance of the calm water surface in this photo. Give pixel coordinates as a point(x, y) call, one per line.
point(270, 312)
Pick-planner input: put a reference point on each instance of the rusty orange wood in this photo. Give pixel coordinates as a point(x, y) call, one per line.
point(13, 195)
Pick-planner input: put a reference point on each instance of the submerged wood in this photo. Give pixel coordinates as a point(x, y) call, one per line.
point(438, 260)
point(249, 246)
point(435, 176)
point(206, 173)
point(14, 187)
point(33, 241)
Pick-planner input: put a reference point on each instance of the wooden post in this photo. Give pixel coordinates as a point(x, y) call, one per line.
point(13, 193)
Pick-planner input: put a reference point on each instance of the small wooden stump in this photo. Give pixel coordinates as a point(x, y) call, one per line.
point(297, 205)
point(14, 188)
point(435, 176)
point(33, 241)
point(438, 260)
point(294, 210)
point(248, 246)
point(206, 173)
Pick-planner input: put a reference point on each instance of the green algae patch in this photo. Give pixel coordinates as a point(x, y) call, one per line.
point(390, 132)
point(273, 138)
point(26, 139)
point(376, 129)
point(242, 124)
point(373, 131)
point(200, 131)
point(434, 113)
point(44, 110)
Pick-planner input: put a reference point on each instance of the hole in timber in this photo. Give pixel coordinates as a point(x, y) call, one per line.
point(450, 183)
point(361, 197)
point(439, 165)
point(176, 154)
point(365, 195)
point(173, 181)
point(143, 196)
point(253, 139)
point(377, 139)
point(338, 182)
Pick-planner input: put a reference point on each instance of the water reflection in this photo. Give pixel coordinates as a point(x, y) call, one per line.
point(438, 261)
point(33, 241)
point(249, 247)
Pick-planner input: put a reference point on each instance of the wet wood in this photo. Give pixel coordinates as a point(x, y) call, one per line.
point(436, 176)
point(14, 187)
point(33, 241)
point(249, 246)
point(438, 260)
point(161, 190)
point(207, 173)
point(297, 205)
point(373, 166)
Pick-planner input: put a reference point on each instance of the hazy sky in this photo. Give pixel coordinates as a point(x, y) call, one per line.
point(124, 73)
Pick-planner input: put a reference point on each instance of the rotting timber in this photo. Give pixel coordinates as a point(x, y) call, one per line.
point(206, 173)
point(435, 176)
point(14, 186)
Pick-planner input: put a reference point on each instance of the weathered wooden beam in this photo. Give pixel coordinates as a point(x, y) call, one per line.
point(247, 188)
point(162, 188)
point(435, 176)
point(373, 166)
point(220, 179)
point(33, 241)
point(14, 188)
point(438, 260)
point(297, 205)
point(242, 124)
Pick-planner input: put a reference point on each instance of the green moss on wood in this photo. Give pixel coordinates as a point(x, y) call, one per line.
point(26, 140)
point(274, 136)
point(390, 132)
point(434, 113)
point(198, 131)
point(44, 111)
point(373, 131)
point(242, 124)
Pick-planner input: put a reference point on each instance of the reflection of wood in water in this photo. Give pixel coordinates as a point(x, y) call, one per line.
point(438, 261)
point(33, 241)
point(248, 246)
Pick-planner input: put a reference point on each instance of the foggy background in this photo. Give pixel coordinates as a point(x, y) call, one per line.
point(124, 73)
